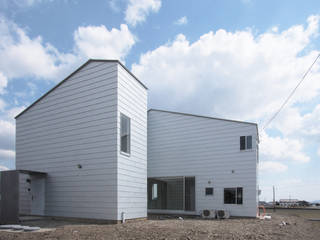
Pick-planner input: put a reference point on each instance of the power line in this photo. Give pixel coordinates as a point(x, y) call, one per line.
point(286, 101)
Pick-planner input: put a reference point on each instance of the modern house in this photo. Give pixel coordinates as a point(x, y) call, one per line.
point(89, 148)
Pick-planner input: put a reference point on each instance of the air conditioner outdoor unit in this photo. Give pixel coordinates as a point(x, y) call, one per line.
point(206, 213)
point(222, 214)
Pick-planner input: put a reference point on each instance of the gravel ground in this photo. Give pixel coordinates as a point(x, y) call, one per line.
point(297, 228)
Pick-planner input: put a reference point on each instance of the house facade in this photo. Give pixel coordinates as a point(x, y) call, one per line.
point(102, 155)
point(197, 163)
point(73, 134)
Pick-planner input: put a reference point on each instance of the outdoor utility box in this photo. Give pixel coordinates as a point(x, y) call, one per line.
point(22, 192)
point(9, 197)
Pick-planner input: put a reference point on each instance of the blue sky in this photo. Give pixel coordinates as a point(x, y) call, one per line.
point(235, 59)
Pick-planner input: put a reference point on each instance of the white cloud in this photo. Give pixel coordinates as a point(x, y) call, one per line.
point(7, 134)
point(13, 112)
point(99, 42)
point(272, 166)
point(7, 153)
point(278, 148)
point(22, 56)
point(181, 21)
point(138, 10)
point(6, 128)
point(237, 74)
point(3, 82)
point(3, 168)
point(292, 123)
point(240, 75)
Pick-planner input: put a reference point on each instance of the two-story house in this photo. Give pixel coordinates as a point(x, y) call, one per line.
point(101, 155)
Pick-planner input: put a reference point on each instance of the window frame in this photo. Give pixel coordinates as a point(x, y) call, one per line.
point(237, 191)
point(245, 143)
point(128, 125)
point(206, 193)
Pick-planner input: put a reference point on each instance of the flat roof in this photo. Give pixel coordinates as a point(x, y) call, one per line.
point(77, 70)
point(195, 115)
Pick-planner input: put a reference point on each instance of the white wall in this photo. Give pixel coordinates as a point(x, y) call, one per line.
point(132, 170)
point(75, 124)
point(209, 149)
point(24, 194)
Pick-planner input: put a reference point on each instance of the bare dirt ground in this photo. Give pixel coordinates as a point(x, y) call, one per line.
point(298, 227)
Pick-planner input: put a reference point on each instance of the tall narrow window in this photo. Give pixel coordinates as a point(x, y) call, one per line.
point(245, 142)
point(242, 142)
point(239, 195)
point(125, 134)
point(249, 142)
point(154, 191)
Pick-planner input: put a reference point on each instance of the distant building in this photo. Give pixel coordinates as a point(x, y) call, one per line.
point(289, 202)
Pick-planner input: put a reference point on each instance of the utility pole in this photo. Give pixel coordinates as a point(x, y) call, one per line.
point(274, 200)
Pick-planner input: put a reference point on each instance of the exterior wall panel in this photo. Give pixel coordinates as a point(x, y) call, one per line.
point(132, 169)
point(71, 134)
point(182, 145)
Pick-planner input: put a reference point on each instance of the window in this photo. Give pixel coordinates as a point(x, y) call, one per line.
point(239, 195)
point(245, 142)
point(172, 193)
point(125, 134)
point(154, 191)
point(209, 191)
point(233, 195)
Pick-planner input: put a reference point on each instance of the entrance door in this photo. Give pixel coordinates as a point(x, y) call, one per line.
point(37, 195)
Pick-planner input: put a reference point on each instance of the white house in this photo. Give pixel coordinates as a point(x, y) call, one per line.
point(85, 145)
point(197, 163)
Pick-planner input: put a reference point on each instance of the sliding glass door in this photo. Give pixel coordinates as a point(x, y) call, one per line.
point(171, 193)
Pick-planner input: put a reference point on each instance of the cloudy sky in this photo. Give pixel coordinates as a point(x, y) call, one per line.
point(235, 59)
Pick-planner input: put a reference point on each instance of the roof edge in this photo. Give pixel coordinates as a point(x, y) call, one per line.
point(74, 72)
point(124, 67)
point(195, 115)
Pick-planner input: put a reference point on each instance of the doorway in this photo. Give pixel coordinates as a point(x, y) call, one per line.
point(171, 193)
point(37, 195)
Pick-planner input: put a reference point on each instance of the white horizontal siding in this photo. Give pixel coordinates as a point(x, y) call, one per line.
point(132, 170)
point(75, 124)
point(182, 145)
point(24, 194)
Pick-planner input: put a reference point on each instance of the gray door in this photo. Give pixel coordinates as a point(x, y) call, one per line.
point(9, 197)
point(37, 195)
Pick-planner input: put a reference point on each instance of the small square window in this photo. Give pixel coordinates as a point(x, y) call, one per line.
point(209, 191)
point(233, 195)
point(245, 142)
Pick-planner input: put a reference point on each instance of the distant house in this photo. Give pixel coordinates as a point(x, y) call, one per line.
point(289, 202)
point(102, 155)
